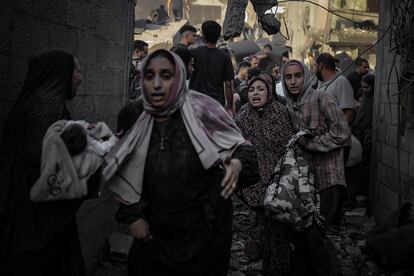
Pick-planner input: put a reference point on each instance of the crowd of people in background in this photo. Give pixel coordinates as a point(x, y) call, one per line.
point(196, 132)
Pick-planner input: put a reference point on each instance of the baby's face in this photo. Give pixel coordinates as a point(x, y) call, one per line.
point(75, 138)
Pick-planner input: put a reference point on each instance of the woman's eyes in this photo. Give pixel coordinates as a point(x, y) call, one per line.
point(164, 76)
point(149, 76)
point(252, 89)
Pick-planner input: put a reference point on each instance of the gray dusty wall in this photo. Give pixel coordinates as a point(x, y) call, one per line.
point(392, 180)
point(99, 33)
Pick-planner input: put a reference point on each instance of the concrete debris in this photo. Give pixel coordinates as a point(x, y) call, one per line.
point(357, 212)
point(246, 259)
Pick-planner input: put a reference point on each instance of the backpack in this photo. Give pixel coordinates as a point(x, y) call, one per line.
point(242, 91)
point(292, 198)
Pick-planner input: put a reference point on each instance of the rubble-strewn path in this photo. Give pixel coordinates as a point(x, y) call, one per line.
point(245, 251)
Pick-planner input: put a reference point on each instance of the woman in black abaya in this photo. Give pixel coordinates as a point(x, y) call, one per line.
point(41, 238)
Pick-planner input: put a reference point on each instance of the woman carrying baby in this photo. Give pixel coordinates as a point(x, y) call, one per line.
point(37, 238)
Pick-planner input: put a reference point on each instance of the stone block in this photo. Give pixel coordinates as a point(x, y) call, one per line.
point(5, 31)
point(63, 37)
point(388, 113)
point(82, 14)
point(411, 165)
point(111, 83)
point(389, 156)
point(119, 31)
point(105, 81)
point(381, 132)
point(407, 187)
point(49, 10)
point(392, 135)
point(108, 4)
point(103, 54)
point(395, 109)
point(380, 172)
point(385, 197)
point(390, 178)
point(82, 108)
point(87, 48)
point(110, 55)
point(104, 28)
point(121, 9)
point(53, 10)
point(4, 76)
point(394, 201)
point(404, 161)
point(407, 141)
point(387, 93)
point(119, 58)
point(5, 107)
point(107, 109)
point(378, 151)
point(28, 35)
point(24, 7)
point(18, 70)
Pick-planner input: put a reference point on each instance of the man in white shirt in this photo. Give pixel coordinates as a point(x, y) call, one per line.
point(336, 85)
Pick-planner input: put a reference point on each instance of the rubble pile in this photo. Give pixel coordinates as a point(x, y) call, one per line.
point(246, 260)
point(245, 250)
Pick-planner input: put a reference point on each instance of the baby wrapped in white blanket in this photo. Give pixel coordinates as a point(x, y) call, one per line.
point(72, 151)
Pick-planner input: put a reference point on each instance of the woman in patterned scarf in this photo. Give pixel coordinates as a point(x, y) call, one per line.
point(265, 123)
point(167, 173)
point(37, 238)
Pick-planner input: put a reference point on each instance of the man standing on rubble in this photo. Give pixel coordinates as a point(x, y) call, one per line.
point(213, 70)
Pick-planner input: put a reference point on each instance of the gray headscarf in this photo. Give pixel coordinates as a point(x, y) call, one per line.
point(306, 87)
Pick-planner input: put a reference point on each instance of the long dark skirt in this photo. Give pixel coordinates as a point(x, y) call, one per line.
point(314, 254)
point(144, 260)
point(276, 242)
point(61, 257)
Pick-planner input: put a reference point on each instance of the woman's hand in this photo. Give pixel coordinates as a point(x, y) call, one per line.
point(139, 229)
point(233, 168)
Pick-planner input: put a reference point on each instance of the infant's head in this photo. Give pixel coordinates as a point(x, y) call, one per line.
point(75, 138)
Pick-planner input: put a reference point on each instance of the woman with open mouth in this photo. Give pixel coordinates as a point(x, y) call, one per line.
point(178, 162)
point(265, 123)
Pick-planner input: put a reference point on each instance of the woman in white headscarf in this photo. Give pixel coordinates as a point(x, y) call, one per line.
point(174, 170)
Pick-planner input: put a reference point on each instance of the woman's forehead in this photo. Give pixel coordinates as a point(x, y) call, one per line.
point(160, 63)
point(293, 68)
point(258, 82)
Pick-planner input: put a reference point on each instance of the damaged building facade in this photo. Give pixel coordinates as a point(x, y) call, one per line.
point(318, 30)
